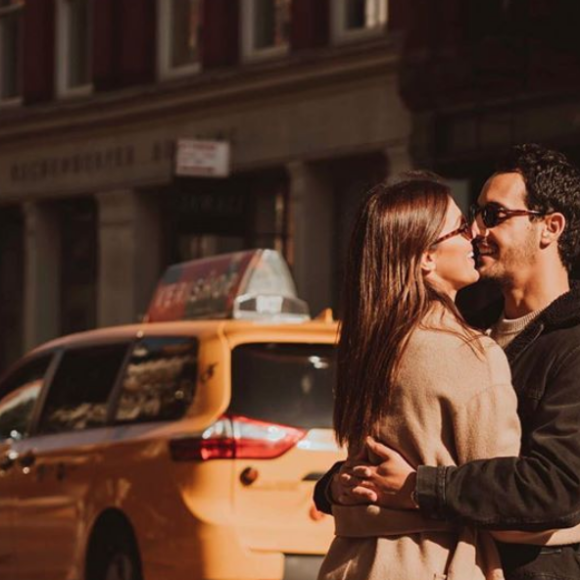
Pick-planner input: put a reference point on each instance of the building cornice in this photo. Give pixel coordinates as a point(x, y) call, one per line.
point(200, 93)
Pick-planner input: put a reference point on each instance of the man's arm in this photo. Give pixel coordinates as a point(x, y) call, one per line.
point(538, 491)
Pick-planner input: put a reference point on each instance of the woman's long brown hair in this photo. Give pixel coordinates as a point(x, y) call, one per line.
point(385, 297)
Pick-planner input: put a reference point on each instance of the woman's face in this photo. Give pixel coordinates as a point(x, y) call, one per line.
point(451, 259)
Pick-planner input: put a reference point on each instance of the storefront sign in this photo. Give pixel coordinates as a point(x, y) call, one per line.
point(202, 158)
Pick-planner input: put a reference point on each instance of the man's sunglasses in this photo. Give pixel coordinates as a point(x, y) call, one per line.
point(493, 215)
point(464, 230)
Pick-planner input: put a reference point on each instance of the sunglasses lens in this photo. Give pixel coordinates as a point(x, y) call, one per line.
point(489, 216)
point(493, 217)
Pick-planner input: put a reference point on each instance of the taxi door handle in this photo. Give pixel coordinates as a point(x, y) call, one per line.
point(8, 460)
point(28, 459)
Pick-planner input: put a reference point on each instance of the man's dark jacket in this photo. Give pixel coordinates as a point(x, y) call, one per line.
point(539, 490)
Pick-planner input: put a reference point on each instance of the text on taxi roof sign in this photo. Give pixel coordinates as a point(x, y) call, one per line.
point(216, 288)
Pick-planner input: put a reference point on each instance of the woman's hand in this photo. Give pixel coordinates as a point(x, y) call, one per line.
point(344, 482)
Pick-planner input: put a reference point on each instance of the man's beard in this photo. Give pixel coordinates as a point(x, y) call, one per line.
point(507, 262)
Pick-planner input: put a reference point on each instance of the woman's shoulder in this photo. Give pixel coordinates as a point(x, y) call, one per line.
point(452, 354)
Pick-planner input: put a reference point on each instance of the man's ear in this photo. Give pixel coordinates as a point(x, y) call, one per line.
point(428, 263)
point(554, 224)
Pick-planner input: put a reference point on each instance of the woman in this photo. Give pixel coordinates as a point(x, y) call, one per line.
point(414, 375)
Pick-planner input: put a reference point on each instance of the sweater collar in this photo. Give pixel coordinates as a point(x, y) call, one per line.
point(564, 312)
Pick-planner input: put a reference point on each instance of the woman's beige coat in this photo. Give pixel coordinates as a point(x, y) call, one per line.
point(450, 404)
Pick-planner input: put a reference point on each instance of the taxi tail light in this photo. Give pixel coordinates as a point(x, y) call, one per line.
point(237, 437)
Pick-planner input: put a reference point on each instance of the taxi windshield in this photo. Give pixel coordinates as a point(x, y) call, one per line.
point(289, 384)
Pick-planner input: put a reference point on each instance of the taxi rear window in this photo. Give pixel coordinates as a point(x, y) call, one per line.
point(289, 384)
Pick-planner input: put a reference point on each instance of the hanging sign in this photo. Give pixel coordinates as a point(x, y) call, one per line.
point(195, 158)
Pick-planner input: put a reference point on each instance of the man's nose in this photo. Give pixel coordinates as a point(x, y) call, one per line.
point(478, 229)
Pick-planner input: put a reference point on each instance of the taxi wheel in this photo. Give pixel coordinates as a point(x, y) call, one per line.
point(113, 555)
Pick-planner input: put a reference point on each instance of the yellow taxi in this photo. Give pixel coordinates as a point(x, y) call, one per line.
point(185, 447)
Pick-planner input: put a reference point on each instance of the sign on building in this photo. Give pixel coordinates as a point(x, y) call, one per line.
point(195, 158)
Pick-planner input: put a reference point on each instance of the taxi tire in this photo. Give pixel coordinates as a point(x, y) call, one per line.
point(113, 554)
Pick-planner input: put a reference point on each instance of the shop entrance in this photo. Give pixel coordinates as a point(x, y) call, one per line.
point(205, 217)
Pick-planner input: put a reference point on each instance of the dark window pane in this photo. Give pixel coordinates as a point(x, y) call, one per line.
point(184, 32)
point(11, 284)
point(18, 395)
point(159, 383)
point(78, 289)
point(289, 384)
point(365, 14)
point(10, 43)
point(271, 23)
point(79, 38)
point(80, 390)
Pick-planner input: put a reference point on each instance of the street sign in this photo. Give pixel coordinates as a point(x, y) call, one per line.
point(202, 158)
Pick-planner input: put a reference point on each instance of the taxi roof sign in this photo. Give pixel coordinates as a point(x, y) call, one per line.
point(256, 284)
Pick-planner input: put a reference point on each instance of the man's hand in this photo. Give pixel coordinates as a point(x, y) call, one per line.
point(387, 479)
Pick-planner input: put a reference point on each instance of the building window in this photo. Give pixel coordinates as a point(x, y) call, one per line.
point(10, 50)
point(73, 47)
point(179, 29)
point(358, 19)
point(265, 28)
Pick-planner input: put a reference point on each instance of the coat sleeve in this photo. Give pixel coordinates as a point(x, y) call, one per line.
point(322, 490)
point(538, 491)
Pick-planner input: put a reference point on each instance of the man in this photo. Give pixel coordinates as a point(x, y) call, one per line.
point(527, 226)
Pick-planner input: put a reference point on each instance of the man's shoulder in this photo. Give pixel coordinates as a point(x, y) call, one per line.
point(564, 313)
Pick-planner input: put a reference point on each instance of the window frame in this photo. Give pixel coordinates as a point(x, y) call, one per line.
point(16, 100)
point(249, 53)
point(165, 71)
point(62, 53)
point(117, 392)
point(342, 35)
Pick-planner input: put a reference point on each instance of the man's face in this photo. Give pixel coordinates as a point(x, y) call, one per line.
point(511, 248)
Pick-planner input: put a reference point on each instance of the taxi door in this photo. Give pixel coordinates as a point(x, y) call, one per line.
point(19, 392)
point(56, 466)
point(6, 511)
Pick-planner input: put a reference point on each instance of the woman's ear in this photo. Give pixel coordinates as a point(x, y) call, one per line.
point(554, 224)
point(428, 263)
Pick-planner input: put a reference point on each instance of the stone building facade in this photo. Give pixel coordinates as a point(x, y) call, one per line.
point(91, 208)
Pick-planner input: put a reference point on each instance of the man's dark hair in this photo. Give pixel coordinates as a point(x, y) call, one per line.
point(552, 185)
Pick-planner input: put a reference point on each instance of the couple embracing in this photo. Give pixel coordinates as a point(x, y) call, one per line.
point(464, 440)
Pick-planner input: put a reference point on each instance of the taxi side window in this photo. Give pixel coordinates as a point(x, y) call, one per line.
point(159, 381)
point(79, 393)
point(18, 395)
